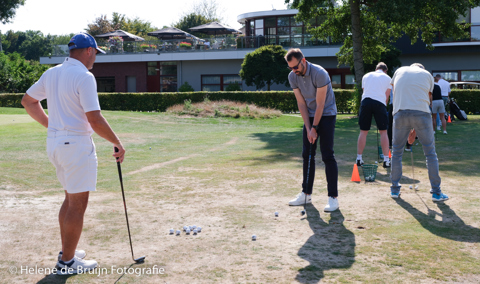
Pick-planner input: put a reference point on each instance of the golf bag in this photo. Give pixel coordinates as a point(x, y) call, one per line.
point(455, 110)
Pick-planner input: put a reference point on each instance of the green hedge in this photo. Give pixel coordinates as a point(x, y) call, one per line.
point(468, 100)
point(282, 100)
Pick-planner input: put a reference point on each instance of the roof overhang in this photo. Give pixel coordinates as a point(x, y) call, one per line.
point(243, 17)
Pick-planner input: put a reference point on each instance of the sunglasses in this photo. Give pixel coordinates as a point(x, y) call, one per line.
point(295, 67)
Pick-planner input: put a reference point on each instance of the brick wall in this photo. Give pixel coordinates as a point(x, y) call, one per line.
point(121, 71)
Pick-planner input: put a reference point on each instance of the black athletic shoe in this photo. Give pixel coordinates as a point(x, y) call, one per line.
point(408, 148)
point(387, 164)
point(359, 163)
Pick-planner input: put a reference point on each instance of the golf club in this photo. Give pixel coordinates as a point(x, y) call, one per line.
point(140, 259)
point(304, 211)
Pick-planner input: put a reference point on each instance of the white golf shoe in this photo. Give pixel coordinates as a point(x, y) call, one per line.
point(78, 253)
point(332, 204)
point(300, 199)
point(75, 266)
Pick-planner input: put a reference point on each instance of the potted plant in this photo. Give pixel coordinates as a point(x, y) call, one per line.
point(116, 43)
point(185, 45)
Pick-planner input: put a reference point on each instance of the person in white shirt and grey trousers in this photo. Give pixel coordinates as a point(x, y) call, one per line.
point(73, 115)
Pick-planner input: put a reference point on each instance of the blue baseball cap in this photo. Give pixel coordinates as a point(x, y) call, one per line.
point(83, 40)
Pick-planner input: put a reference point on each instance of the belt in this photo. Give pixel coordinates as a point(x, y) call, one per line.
point(53, 134)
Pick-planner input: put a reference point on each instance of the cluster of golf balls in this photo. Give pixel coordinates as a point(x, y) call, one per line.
point(370, 178)
point(187, 229)
point(416, 187)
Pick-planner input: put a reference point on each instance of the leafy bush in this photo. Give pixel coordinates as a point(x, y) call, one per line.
point(233, 87)
point(185, 87)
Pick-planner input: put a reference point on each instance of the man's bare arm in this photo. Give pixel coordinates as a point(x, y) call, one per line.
point(102, 128)
point(35, 110)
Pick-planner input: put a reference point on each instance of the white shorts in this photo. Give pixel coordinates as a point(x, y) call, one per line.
point(438, 106)
point(75, 160)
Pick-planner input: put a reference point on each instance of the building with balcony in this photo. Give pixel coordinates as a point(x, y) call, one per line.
point(213, 63)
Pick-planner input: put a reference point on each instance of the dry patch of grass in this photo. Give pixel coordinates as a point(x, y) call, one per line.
point(209, 108)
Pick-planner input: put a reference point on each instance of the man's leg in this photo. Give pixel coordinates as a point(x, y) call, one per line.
point(362, 141)
point(384, 142)
point(444, 122)
point(426, 137)
point(401, 130)
point(326, 136)
point(434, 121)
point(71, 222)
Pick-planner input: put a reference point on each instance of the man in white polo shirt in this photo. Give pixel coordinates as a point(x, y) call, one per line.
point(412, 97)
point(376, 91)
point(446, 90)
point(74, 114)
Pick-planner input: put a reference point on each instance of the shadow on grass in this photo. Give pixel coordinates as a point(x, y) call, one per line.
point(54, 279)
point(331, 246)
point(450, 227)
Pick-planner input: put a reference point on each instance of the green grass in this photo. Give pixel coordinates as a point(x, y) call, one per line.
point(230, 175)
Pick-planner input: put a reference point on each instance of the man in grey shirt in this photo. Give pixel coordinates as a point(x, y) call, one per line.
point(316, 102)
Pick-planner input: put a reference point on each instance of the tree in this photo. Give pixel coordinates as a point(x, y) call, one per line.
point(189, 21)
point(7, 9)
point(30, 44)
point(210, 10)
point(101, 25)
point(367, 27)
point(265, 66)
point(18, 74)
point(135, 26)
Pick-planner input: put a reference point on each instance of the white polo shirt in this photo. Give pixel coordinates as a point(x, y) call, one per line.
point(375, 84)
point(71, 91)
point(445, 86)
point(411, 86)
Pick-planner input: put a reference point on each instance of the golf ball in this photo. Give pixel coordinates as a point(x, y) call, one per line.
point(376, 162)
point(185, 228)
point(187, 231)
point(171, 231)
point(190, 228)
point(276, 214)
point(254, 238)
point(416, 187)
point(178, 232)
point(195, 231)
point(150, 148)
point(194, 227)
point(410, 187)
point(199, 229)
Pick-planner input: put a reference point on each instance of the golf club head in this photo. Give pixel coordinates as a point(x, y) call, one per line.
point(302, 212)
point(140, 259)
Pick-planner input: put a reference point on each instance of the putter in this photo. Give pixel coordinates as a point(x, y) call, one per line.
point(304, 211)
point(140, 259)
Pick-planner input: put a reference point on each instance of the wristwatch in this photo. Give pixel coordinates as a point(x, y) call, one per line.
point(315, 126)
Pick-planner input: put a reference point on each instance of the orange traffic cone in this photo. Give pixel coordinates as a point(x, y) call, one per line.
point(355, 175)
point(449, 119)
point(390, 154)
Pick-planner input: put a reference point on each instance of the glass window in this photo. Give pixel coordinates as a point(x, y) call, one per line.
point(471, 75)
point(259, 32)
point(336, 81)
point(259, 23)
point(168, 88)
point(270, 22)
point(462, 19)
point(349, 81)
point(448, 76)
point(296, 30)
point(271, 31)
point(168, 80)
point(475, 33)
point(168, 69)
point(211, 79)
point(105, 84)
point(283, 30)
point(295, 23)
point(476, 16)
point(231, 79)
point(283, 21)
point(152, 68)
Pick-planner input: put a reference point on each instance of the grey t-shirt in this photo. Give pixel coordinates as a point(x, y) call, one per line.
point(315, 77)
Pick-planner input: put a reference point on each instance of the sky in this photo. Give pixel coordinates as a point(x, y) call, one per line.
point(60, 17)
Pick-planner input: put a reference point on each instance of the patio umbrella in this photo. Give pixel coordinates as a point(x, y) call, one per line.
point(123, 34)
point(171, 33)
point(214, 28)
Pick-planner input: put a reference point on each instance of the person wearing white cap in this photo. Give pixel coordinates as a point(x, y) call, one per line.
point(73, 115)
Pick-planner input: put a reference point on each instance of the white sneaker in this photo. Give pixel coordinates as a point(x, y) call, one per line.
point(332, 204)
point(438, 128)
point(77, 265)
point(78, 253)
point(300, 199)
